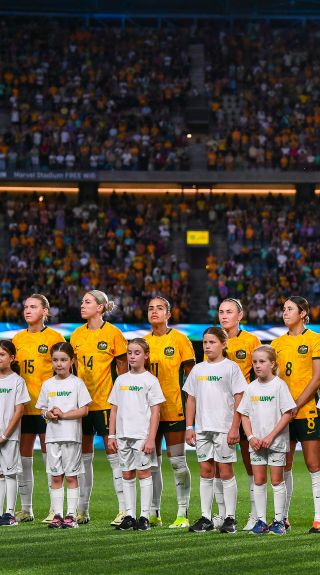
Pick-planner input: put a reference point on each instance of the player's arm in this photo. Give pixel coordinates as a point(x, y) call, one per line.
point(77, 413)
point(282, 423)
point(190, 416)
point(112, 442)
point(154, 424)
point(254, 441)
point(312, 387)
point(187, 366)
point(233, 435)
point(122, 363)
point(14, 421)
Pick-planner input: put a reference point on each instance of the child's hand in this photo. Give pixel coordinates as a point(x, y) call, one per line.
point(191, 437)
point(2, 440)
point(52, 416)
point(266, 441)
point(255, 443)
point(112, 445)
point(149, 446)
point(233, 436)
point(57, 412)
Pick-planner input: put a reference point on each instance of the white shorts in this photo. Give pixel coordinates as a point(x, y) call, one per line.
point(132, 457)
point(213, 445)
point(64, 458)
point(268, 457)
point(10, 459)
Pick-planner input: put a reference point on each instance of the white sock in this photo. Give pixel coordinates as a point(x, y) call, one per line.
point(57, 497)
point(157, 482)
point(130, 496)
point(315, 479)
point(2, 493)
point(44, 457)
point(72, 500)
point(146, 496)
point(11, 488)
point(206, 496)
point(288, 479)
point(26, 482)
point(117, 480)
point(253, 511)
point(85, 483)
point(230, 494)
point(260, 497)
point(182, 480)
point(218, 493)
point(279, 498)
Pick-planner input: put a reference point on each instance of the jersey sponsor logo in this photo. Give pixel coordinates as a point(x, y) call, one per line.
point(43, 348)
point(303, 349)
point(241, 354)
point(169, 351)
point(5, 389)
point(209, 377)
point(262, 398)
point(130, 388)
point(102, 345)
point(59, 393)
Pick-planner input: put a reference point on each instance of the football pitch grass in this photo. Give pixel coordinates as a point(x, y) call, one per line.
point(97, 548)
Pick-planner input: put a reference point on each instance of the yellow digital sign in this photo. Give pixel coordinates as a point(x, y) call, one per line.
point(197, 237)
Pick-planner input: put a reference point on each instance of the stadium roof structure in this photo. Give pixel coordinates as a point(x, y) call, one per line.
point(287, 9)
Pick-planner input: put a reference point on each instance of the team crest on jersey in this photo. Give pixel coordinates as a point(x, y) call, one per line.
point(241, 354)
point(303, 349)
point(43, 348)
point(169, 351)
point(102, 345)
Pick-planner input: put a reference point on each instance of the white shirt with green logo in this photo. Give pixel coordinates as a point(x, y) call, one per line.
point(13, 391)
point(134, 394)
point(69, 393)
point(264, 404)
point(214, 386)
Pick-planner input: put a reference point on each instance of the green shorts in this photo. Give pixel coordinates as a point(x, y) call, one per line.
point(305, 429)
point(165, 426)
point(34, 424)
point(96, 422)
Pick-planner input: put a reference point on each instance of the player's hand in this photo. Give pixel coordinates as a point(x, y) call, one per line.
point(266, 441)
point(52, 416)
point(149, 446)
point(255, 443)
point(191, 437)
point(57, 412)
point(233, 436)
point(112, 445)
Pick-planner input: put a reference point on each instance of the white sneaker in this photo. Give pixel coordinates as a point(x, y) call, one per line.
point(217, 522)
point(49, 518)
point(250, 523)
point(118, 519)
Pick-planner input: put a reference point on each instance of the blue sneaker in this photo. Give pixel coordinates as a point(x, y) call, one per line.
point(8, 520)
point(277, 528)
point(260, 528)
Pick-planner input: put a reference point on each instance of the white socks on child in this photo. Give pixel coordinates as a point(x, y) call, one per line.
point(218, 493)
point(2, 493)
point(130, 497)
point(11, 488)
point(260, 497)
point(26, 482)
point(117, 479)
point(230, 494)
point(85, 483)
point(182, 480)
point(206, 496)
point(279, 498)
point(253, 511)
point(288, 479)
point(57, 497)
point(72, 500)
point(146, 496)
point(157, 483)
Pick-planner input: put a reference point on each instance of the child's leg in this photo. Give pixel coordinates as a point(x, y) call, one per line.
point(72, 494)
point(279, 491)
point(2, 493)
point(260, 491)
point(206, 487)
point(157, 480)
point(11, 489)
point(129, 491)
point(230, 489)
point(146, 489)
point(57, 494)
point(218, 491)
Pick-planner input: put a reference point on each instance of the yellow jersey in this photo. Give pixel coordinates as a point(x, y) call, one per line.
point(168, 355)
point(33, 355)
point(239, 349)
point(295, 354)
point(96, 351)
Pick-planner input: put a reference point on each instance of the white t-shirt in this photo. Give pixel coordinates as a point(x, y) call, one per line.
point(69, 393)
point(214, 386)
point(13, 391)
point(264, 404)
point(134, 394)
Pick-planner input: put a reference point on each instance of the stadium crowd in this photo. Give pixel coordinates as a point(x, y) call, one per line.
point(113, 245)
point(92, 97)
point(263, 83)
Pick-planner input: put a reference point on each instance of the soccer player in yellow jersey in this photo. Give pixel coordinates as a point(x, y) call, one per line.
point(172, 358)
point(101, 354)
point(240, 346)
point(298, 356)
point(33, 354)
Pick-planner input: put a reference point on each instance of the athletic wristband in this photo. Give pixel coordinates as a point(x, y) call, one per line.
point(189, 427)
point(250, 437)
point(111, 436)
point(4, 437)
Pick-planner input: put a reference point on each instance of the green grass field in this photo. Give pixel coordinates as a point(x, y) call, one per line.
point(97, 548)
